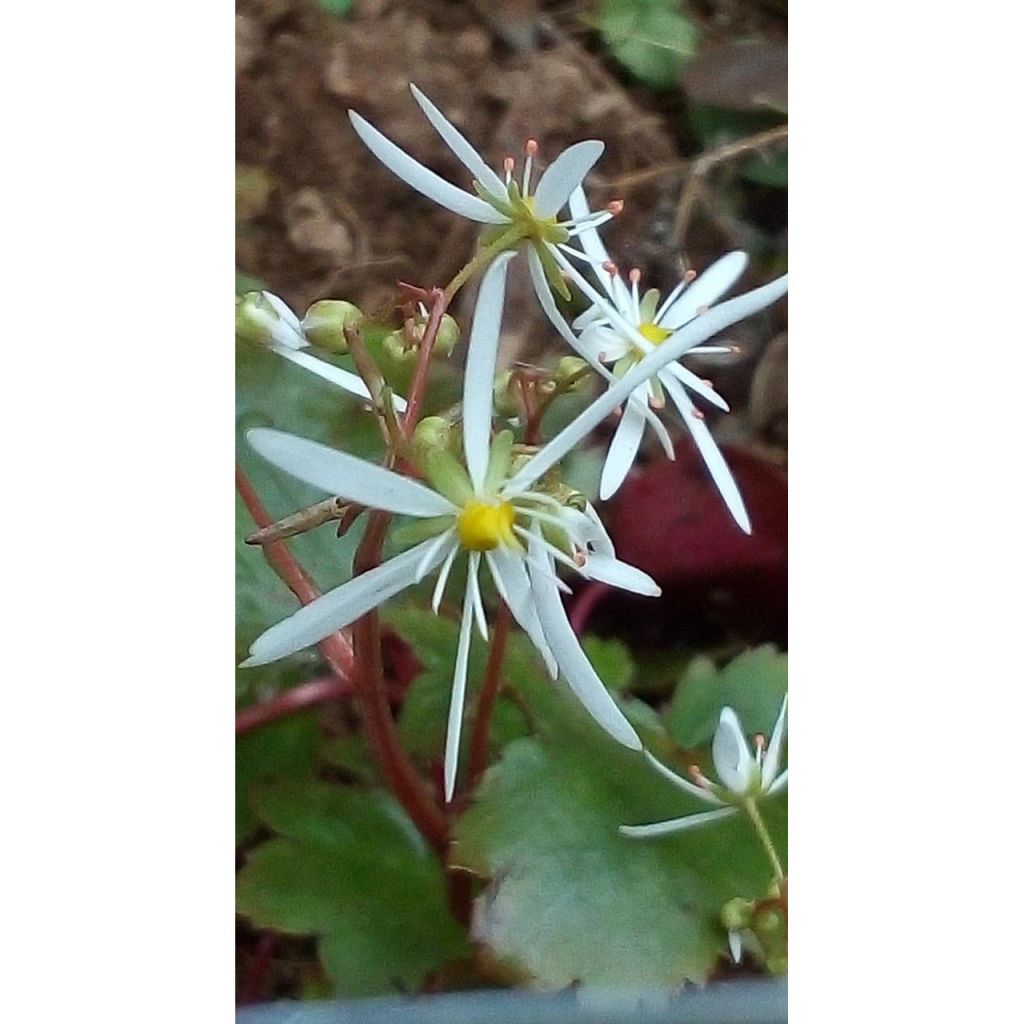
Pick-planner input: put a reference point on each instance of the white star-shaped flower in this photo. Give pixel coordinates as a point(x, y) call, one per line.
point(621, 327)
point(483, 510)
point(744, 778)
point(266, 318)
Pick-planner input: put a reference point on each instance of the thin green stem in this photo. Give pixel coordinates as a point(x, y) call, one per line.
point(481, 258)
point(750, 806)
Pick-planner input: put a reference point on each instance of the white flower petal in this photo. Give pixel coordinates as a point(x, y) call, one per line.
point(667, 828)
point(705, 290)
point(615, 573)
point(590, 239)
point(578, 672)
point(779, 784)
point(458, 698)
point(350, 382)
point(703, 327)
point(564, 175)
point(735, 946)
point(729, 751)
point(622, 451)
point(340, 607)
point(710, 453)
point(509, 574)
point(695, 383)
point(289, 331)
point(680, 783)
point(423, 180)
point(346, 476)
point(474, 586)
point(774, 751)
point(457, 143)
point(588, 317)
point(443, 544)
point(442, 578)
point(481, 360)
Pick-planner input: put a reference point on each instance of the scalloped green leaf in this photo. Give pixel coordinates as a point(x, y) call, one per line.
point(350, 869)
point(570, 900)
point(752, 684)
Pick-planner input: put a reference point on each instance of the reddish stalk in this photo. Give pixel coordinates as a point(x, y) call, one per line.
point(337, 648)
point(380, 725)
point(342, 656)
point(306, 695)
point(488, 696)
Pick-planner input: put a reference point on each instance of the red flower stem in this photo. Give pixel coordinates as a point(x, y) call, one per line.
point(306, 695)
point(488, 695)
point(414, 401)
point(343, 655)
point(380, 725)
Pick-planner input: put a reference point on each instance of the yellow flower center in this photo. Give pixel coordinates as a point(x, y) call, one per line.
point(653, 333)
point(482, 527)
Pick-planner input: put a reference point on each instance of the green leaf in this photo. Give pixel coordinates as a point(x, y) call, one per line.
point(339, 8)
point(650, 37)
point(772, 170)
point(611, 660)
point(351, 870)
point(285, 749)
point(570, 900)
point(753, 685)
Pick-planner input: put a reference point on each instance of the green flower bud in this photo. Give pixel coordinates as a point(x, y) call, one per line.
point(396, 348)
point(263, 319)
point(568, 367)
point(767, 923)
point(506, 401)
point(433, 433)
point(447, 336)
point(736, 914)
point(325, 322)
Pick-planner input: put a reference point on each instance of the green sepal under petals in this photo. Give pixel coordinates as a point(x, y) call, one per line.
point(492, 200)
point(500, 461)
point(447, 476)
point(552, 271)
point(405, 535)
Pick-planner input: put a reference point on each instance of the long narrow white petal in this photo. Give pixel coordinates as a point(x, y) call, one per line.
point(346, 476)
point(481, 360)
point(286, 331)
point(695, 384)
point(705, 290)
point(622, 451)
point(340, 607)
point(735, 946)
point(710, 453)
point(513, 583)
point(564, 175)
point(774, 751)
point(578, 672)
point(423, 180)
point(780, 783)
point(350, 382)
point(474, 586)
point(729, 751)
point(680, 783)
point(442, 578)
point(667, 828)
point(610, 570)
point(441, 546)
point(703, 327)
point(458, 700)
point(456, 142)
point(590, 239)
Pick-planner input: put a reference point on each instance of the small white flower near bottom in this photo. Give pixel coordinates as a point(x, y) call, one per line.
point(744, 778)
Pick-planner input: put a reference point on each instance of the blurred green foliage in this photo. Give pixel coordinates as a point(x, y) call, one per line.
point(651, 38)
